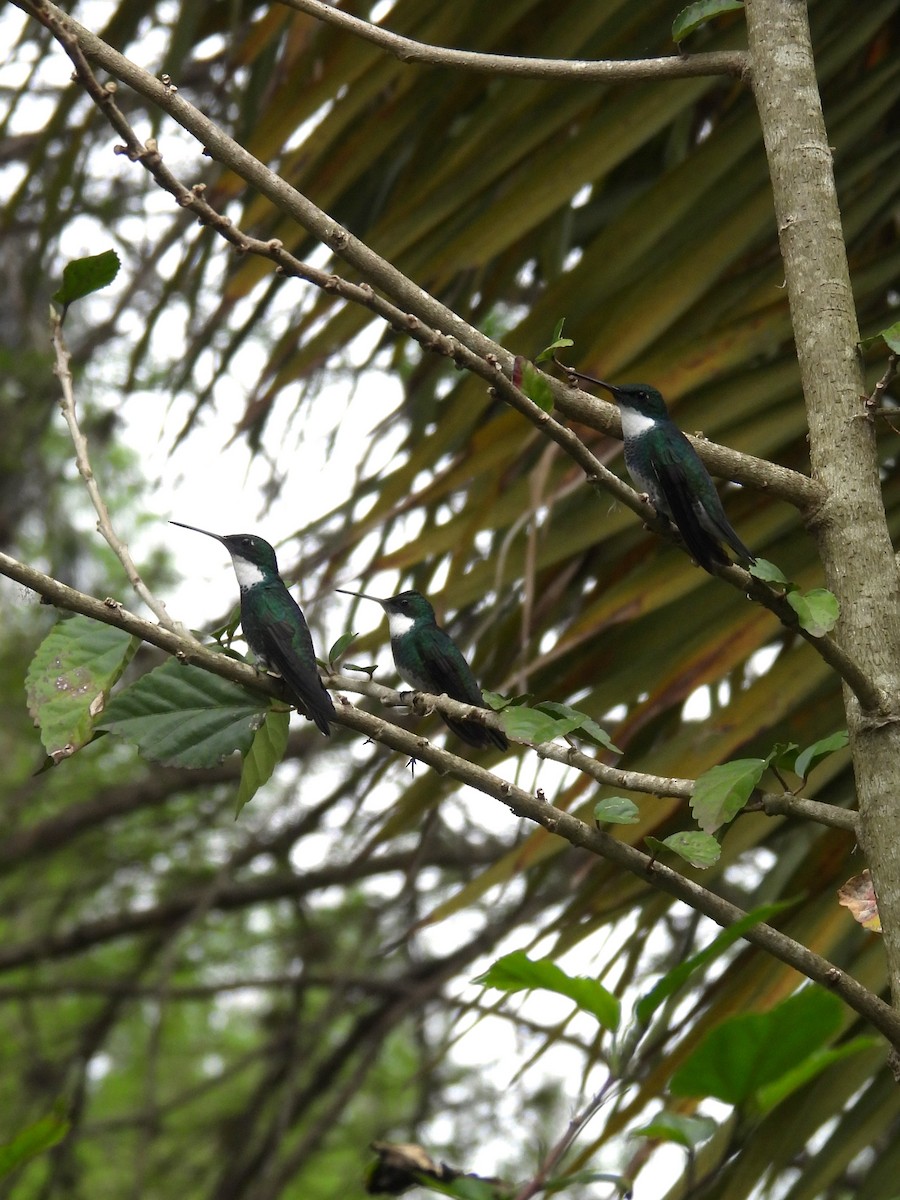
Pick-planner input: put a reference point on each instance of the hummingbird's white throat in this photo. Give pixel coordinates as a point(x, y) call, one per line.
point(399, 623)
point(248, 573)
point(633, 422)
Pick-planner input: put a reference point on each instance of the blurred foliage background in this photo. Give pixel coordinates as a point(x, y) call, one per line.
point(234, 1010)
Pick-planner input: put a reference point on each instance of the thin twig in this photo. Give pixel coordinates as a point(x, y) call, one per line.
point(557, 1152)
point(63, 372)
point(734, 62)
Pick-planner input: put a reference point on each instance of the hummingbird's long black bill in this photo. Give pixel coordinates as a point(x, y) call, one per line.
point(182, 525)
point(346, 592)
point(610, 387)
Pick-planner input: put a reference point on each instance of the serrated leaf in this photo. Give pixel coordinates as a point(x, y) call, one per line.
point(516, 972)
point(694, 15)
point(675, 1127)
point(674, 979)
point(82, 276)
point(69, 680)
point(817, 610)
point(530, 380)
point(181, 716)
point(586, 725)
point(699, 849)
point(767, 572)
point(891, 335)
point(746, 1053)
point(721, 792)
point(340, 646)
point(34, 1139)
point(529, 725)
point(617, 810)
point(265, 753)
point(808, 758)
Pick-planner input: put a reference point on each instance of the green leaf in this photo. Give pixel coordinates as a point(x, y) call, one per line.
point(370, 671)
point(585, 725)
point(617, 810)
point(530, 725)
point(674, 979)
point(340, 647)
point(82, 276)
point(182, 716)
point(674, 1127)
point(782, 755)
point(694, 15)
point(721, 792)
point(558, 343)
point(892, 336)
point(817, 610)
point(265, 753)
point(699, 849)
point(772, 1094)
point(747, 1052)
point(33, 1140)
point(819, 750)
point(531, 381)
point(70, 678)
point(767, 572)
point(515, 972)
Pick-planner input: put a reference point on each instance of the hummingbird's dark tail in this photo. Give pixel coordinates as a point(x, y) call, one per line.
point(476, 734)
point(314, 701)
point(703, 531)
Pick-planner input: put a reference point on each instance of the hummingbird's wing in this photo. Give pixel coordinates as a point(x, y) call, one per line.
point(695, 506)
point(287, 647)
point(453, 675)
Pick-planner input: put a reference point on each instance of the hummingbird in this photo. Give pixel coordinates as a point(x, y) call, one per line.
point(273, 623)
point(665, 466)
point(428, 659)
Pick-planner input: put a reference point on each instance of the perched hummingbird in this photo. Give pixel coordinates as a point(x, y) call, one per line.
point(427, 658)
point(664, 464)
point(273, 624)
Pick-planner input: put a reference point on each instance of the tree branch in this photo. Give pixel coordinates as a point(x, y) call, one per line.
point(413, 301)
point(63, 372)
point(733, 62)
point(523, 804)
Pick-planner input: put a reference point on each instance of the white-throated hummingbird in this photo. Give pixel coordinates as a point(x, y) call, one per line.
point(664, 465)
point(273, 623)
point(428, 659)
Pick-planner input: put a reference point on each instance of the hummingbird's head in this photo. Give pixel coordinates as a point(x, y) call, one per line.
point(412, 605)
point(640, 397)
point(253, 558)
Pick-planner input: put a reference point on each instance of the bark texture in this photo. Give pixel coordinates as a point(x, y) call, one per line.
point(850, 526)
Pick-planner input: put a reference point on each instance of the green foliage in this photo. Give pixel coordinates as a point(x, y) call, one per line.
point(35, 1139)
point(817, 610)
point(559, 343)
point(182, 716)
point(616, 810)
point(722, 791)
point(70, 678)
point(675, 979)
point(82, 276)
point(529, 379)
point(516, 971)
point(698, 14)
point(678, 1128)
point(743, 1055)
point(549, 720)
point(265, 753)
point(814, 754)
point(339, 649)
point(699, 849)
